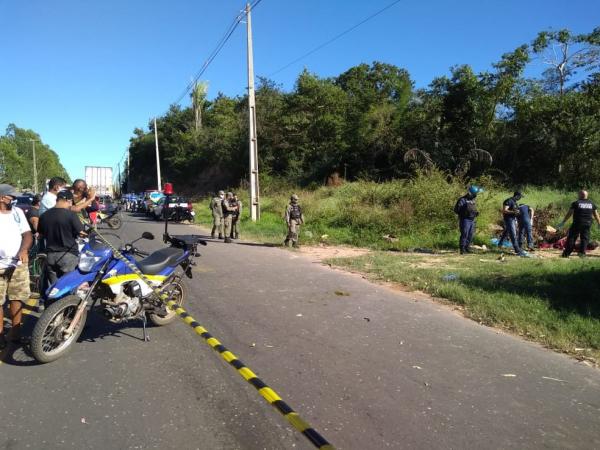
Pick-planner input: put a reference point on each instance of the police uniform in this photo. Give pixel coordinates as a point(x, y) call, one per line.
point(217, 214)
point(510, 212)
point(235, 230)
point(466, 209)
point(228, 211)
point(294, 218)
point(583, 215)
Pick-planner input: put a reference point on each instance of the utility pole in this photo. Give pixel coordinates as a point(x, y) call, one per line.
point(34, 167)
point(128, 169)
point(157, 157)
point(253, 142)
point(119, 174)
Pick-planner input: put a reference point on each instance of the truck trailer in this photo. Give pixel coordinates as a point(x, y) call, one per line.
point(100, 179)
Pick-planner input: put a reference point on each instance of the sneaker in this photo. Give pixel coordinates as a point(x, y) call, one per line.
point(531, 249)
point(468, 250)
point(582, 255)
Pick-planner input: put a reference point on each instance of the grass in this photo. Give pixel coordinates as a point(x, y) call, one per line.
point(415, 213)
point(551, 301)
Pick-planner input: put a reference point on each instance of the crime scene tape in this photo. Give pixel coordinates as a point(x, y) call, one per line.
point(263, 389)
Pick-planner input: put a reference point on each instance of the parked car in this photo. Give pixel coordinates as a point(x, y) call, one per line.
point(104, 202)
point(175, 202)
point(24, 202)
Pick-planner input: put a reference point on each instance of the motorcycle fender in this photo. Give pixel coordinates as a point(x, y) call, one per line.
point(68, 283)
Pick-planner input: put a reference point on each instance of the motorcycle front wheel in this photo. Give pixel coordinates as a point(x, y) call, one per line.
point(48, 341)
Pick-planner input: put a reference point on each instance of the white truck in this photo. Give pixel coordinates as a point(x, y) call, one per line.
point(100, 178)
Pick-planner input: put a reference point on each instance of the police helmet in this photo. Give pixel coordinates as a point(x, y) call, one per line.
point(294, 198)
point(474, 190)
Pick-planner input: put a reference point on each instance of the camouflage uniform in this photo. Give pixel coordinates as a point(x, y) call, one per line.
point(217, 214)
point(14, 282)
point(293, 218)
point(227, 215)
point(235, 227)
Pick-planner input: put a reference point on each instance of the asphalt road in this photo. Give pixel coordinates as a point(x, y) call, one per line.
point(371, 369)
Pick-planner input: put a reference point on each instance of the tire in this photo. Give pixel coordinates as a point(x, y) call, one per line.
point(170, 317)
point(114, 222)
point(44, 336)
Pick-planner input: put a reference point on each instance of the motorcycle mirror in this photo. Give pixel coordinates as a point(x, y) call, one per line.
point(147, 235)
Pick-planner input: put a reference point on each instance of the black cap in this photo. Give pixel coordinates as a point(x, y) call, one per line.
point(64, 195)
point(518, 194)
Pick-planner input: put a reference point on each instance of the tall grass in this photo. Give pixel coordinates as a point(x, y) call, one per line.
point(412, 213)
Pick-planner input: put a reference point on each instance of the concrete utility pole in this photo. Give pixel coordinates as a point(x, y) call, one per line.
point(34, 167)
point(157, 157)
point(119, 176)
point(128, 169)
point(253, 147)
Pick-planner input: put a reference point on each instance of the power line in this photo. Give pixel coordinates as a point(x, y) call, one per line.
point(226, 36)
point(335, 38)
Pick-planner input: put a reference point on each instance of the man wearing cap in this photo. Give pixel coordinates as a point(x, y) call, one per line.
point(293, 218)
point(510, 213)
point(15, 242)
point(60, 227)
point(466, 209)
point(217, 214)
point(584, 212)
point(235, 226)
point(228, 212)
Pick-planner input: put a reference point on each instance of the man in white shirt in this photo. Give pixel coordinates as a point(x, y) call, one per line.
point(49, 199)
point(15, 242)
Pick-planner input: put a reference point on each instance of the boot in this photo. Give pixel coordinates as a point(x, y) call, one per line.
point(228, 240)
point(462, 250)
point(220, 236)
point(286, 243)
point(295, 245)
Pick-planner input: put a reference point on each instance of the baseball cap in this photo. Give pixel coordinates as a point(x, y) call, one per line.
point(518, 194)
point(64, 195)
point(7, 189)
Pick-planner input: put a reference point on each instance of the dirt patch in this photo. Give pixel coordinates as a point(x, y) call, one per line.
point(319, 253)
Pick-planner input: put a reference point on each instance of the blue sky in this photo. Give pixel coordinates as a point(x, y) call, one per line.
point(85, 74)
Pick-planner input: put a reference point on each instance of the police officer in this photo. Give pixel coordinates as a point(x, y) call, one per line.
point(583, 212)
point(510, 213)
point(237, 204)
point(217, 214)
point(293, 218)
point(228, 211)
point(466, 209)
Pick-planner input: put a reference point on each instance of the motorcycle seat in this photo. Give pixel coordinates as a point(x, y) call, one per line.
point(159, 260)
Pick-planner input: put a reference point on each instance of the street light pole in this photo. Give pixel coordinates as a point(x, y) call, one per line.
point(157, 157)
point(35, 183)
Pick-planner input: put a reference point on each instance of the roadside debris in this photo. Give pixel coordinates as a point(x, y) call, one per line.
point(450, 277)
point(509, 375)
point(342, 293)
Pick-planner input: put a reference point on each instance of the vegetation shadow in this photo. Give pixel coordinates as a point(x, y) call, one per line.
point(572, 292)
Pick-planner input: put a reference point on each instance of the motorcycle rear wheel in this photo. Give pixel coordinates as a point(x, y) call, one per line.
point(47, 341)
point(114, 222)
point(179, 296)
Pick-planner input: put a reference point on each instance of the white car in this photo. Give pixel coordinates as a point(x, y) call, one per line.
point(174, 202)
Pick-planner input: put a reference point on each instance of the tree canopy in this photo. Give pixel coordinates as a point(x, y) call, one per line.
point(371, 123)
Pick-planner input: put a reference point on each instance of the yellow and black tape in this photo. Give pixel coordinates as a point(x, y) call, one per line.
point(265, 391)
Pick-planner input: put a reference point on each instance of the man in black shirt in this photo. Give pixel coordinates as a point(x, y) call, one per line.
point(584, 212)
point(60, 227)
point(510, 213)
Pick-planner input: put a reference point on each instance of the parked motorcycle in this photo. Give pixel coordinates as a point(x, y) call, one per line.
point(110, 287)
point(112, 219)
point(179, 214)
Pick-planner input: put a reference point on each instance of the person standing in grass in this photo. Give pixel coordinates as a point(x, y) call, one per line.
point(584, 212)
point(228, 211)
point(293, 218)
point(235, 227)
point(217, 215)
point(525, 222)
point(466, 209)
point(510, 213)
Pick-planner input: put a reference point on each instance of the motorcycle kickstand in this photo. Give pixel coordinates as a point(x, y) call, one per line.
point(146, 336)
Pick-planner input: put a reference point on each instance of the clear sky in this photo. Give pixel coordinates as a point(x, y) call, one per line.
point(84, 74)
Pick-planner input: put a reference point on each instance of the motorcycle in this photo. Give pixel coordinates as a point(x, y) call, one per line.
point(112, 218)
point(179, 214)
point(108, 285)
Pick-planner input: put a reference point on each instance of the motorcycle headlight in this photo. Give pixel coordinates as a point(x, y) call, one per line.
point(87, 261)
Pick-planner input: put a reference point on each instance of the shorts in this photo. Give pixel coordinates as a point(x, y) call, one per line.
point(14, 282)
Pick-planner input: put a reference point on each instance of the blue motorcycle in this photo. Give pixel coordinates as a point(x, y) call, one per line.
point(107, 284)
